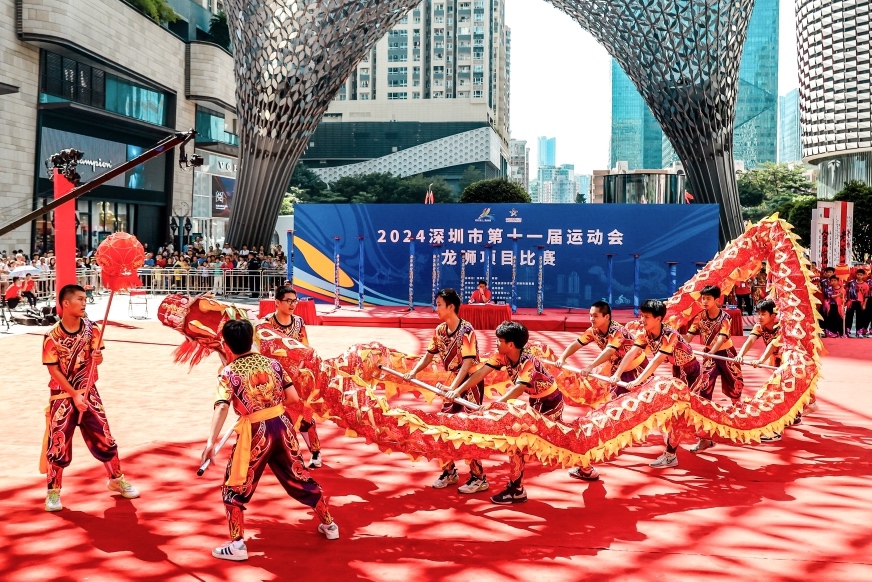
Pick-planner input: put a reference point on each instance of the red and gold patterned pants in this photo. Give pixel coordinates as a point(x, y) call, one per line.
point(517, 461)
point(273, 443)
point(474, 394)
point(63, 419)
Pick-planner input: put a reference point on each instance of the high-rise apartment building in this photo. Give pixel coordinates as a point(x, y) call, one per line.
point(835, 91)
point(431, 97)
point(519, 163)
point(547, 152)
point(557, 184)
point(636, 136)
point(789, 131)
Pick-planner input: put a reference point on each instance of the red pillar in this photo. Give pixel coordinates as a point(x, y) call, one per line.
point(64, 234)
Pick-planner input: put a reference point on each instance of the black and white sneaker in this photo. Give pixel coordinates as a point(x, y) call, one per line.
point(474, 485)
point(510, 496)
point(773, 439)
point(233, 551)
point(446, 479)
point(315, 463)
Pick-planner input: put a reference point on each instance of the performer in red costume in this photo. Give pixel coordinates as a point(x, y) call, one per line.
point(661, 342)
point(713, 327)
point(613, 339)
point(259, 389)
point(455, 342)
point(284, 322)
point(529, 376)
point(69, 350)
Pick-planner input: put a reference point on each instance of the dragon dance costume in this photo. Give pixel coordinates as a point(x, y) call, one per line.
point(295, 330)
point(620, 339)
point(709, 329)
point(255, 385)
point(72, 352)
point(678, 352)
point(542, 391)
point(453, 348)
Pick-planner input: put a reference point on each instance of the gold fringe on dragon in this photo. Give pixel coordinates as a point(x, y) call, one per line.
point(353, 392)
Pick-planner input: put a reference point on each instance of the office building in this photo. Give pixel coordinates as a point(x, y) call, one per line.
point(636, 136)
point(789, 130)
point(546, 155)
point(430, 98)
point(111, 85)
point(519, 163)
point(835, 92)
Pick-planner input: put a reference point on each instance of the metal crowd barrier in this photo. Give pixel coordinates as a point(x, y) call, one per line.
point(230, 283)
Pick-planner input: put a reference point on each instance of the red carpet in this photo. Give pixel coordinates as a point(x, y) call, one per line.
point(798, 509)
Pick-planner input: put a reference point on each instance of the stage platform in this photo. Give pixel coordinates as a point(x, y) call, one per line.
point(559, 319)
point(797, 509)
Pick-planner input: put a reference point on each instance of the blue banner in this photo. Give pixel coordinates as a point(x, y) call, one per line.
point(573, 242)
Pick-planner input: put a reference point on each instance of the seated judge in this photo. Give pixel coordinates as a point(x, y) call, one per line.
point(482, 295)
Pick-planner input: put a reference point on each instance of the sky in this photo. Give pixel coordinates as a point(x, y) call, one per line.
point(560, 82)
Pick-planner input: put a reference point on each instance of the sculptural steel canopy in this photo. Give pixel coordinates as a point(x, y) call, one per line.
point(291, 57)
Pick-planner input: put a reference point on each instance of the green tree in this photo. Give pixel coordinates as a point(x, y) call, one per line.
point(385, 188)
point(494, 191)
point(750, 194)
point(312, 187)
point(158, 10)
point(861, 195)
point(219, 30)
point(470, 176)
point(773, 187)
point(798, 212)
point(291, 198)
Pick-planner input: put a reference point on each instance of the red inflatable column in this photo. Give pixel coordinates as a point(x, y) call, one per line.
point(64, 234)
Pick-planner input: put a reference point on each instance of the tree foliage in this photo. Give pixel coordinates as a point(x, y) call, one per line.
point(311, 187)
point(158, 10)
point(291, 197)
point(219, 30)
point(494, 191)
point(771, 186)
point(470, 176)
point(861, 195)
point(385, 188)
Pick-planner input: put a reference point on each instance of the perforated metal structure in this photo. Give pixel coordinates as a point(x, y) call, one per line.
point(291, 57)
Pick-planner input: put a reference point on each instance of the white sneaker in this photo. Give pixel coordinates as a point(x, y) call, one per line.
point(474, 485)
point(121, 485)
point(233, 551)
point(53, 500)
point(446, 479)
point(315, 463)
point(331, 532)
point(812, 407)
point(665, 460)
point(702, 445)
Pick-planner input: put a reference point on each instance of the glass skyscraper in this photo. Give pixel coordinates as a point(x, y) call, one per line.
point(789, 133)
point(636, 135)
point(547, 155)
point(637, 138)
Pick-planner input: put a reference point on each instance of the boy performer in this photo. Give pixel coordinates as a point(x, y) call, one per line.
point(661, 342)
point(259, 389)
point(455, 342)
point(69, 350)
point(768, 329)
point(713, 327)
point(613, 339)
point(529, 376)
point(284, 322)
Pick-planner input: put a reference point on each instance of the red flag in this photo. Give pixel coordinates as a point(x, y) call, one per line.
point(428, 198)
point(687, 197)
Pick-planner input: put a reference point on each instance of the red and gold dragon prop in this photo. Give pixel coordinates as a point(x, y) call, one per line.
point(351, 391)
